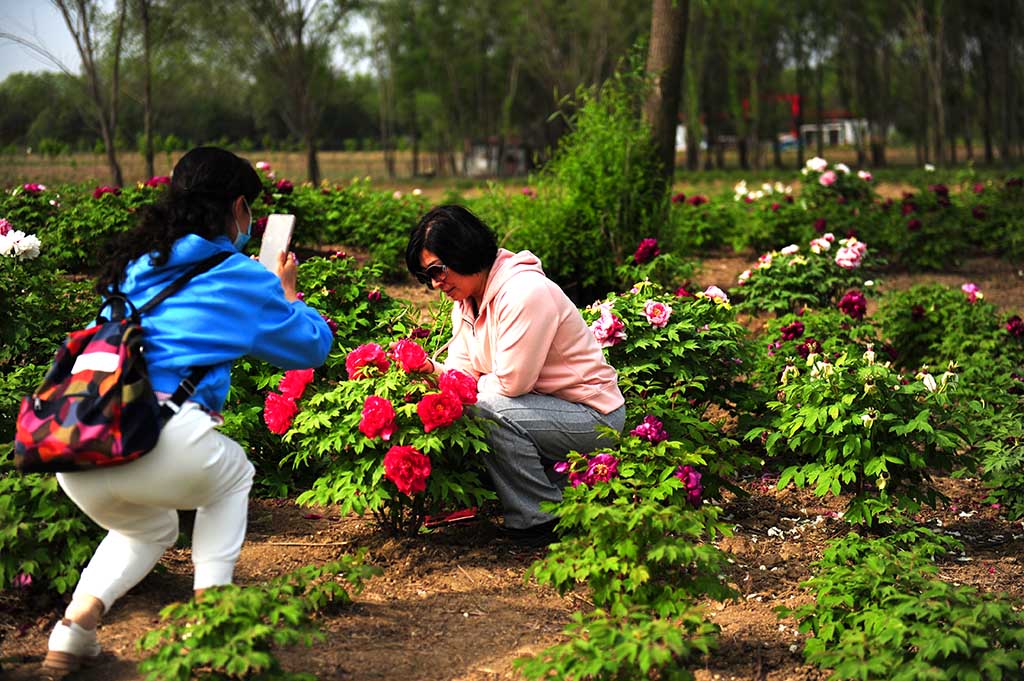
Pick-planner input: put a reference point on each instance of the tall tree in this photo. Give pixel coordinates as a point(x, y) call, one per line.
point(143, 8)
point(665, 67)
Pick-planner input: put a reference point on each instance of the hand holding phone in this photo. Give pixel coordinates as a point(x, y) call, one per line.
point(276, 239)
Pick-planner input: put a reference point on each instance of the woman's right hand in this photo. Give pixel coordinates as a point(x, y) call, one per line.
point(287, 272)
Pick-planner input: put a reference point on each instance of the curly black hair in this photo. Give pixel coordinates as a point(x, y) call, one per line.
point(204, 184)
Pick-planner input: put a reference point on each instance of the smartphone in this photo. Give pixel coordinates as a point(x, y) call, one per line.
point(276, 239)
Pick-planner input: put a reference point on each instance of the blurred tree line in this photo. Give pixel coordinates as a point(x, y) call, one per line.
point(941, 75)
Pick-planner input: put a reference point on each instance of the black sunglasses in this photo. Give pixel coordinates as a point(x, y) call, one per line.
point(427, 276)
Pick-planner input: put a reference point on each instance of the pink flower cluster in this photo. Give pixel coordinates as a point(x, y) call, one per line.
point(646, 251)
point(716, 293)
point(691, 481)
point(822, 243)
point(650, 429)
point(279, 409)
point(34, 187)
point(608, 329)
point(851, 252)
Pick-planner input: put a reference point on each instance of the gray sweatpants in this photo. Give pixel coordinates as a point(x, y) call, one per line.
point(530, 433)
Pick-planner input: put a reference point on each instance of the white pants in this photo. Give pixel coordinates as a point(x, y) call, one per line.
point(192, 466)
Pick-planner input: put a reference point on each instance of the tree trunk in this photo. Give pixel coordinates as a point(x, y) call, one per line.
point(819, 96)
point(147, 90)
point(312, 163)
point(986, 100)
point(694, 67)
point(665, 64)
point(1005, 144)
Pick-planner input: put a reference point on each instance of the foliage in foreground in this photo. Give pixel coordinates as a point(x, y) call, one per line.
point(230, 631)
point(880, 612)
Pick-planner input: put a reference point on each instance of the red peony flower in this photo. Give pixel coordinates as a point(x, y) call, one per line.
point(678, 198)
point(1015, 326)
point(697, 200)
point(408, 468)
point(820, 224)
point(158, 180)
point(409, 354)
point(792, 331)
point(369, 355)
point(646, 251)
point(278, 412)
point(978, 212)
point(259, 227)
point(437, 410)
point(284, 187)
point(914, 225)
point(374, 295)
point(459, 384)
point(294, 382)
point(854, 304)
point(378, 418)
point(105, 189)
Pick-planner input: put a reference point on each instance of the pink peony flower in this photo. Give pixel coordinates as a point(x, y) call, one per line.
point(437, 410)
point(369, 355)
point(459, 384)
point(409, 354)
point(819, 245)
point(646, 251)
point(158, 181)
point(691, 481)
point(972, 291)
point(864, 175)
point(848, 258)
point(681, 292)
point(651, 429)
point(775, 206)
point(790, 249)
point(278, 412)
point(294, 382)
point(5, 226)
point(608, 329)
point(407, 468)
point(529, 192)
point(378, 418)
point(373, 295)
point(22, 581)
point(716, 293)
point(827, 179)
point(979, 187)
point(657, 313)
point(34, 187)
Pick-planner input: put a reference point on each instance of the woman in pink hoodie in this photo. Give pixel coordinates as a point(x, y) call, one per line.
point(541, 375)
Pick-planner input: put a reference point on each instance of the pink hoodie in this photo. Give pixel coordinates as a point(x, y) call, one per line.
point(529, 337)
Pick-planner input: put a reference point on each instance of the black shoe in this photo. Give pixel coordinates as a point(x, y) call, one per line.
point(535, 536)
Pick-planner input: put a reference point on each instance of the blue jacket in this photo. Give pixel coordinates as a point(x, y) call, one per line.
point(237, 308)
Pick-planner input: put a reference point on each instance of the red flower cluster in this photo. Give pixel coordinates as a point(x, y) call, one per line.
point(369, 355)
point(820, 224)
point(409, 354)
point(259, 226)
point(294, 382)
point(460, 384)
point(697, 200)
point(157, 180)
point(105, 189)
point(408, 468)
point(854, 304)
point(1015, 326)
point(646, 251)
point(678, 198)
point(378, 418)
point(437, 410)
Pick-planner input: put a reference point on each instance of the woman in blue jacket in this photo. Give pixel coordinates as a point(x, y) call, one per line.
point(237, 308)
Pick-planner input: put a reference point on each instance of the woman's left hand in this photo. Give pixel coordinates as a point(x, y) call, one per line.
point(287, 272)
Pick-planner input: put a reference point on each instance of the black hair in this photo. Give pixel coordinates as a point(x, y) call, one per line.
point(460, 239)
point(205, 183)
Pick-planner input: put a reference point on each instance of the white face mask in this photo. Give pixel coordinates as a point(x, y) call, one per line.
point(242, 238)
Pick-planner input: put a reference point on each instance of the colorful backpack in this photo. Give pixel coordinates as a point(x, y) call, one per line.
point(96, 406)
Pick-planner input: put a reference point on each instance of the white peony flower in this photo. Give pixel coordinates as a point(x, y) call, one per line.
point(817, 164)
point(842, 168)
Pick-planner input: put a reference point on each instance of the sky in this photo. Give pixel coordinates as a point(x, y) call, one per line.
point(41, 22)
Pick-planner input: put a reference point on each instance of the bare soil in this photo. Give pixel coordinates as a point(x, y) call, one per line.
point(453, 603)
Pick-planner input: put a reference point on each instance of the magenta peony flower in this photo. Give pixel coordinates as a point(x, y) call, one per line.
point(646, 251)
point(5, 226)
point(22, 581)
point(284, 187)
point(972, 291)
point(459, 384)
point(792, 331)
point(657, 313)
point(378, 418)
point(408, 468)
point(1015, 326)
point(820, 225)
point(651, 429)
point(678, 198)
point(157, 181)
point(681, 292)
point(368, 355)
point(420, 332)
point(827, 179)
point(374, 295)
point(854, 304)
point(809, 346)
point(775, 206)
point(979, 187)
point(105, 189)
point(259, 226)
point(294, 382)
point(697, 200)
point(691, 480)
point(601, 468)
point(278, 412)
point(34, 187)
point(529, 192)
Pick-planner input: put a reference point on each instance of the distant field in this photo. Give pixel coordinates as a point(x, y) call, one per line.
point(342, 166)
